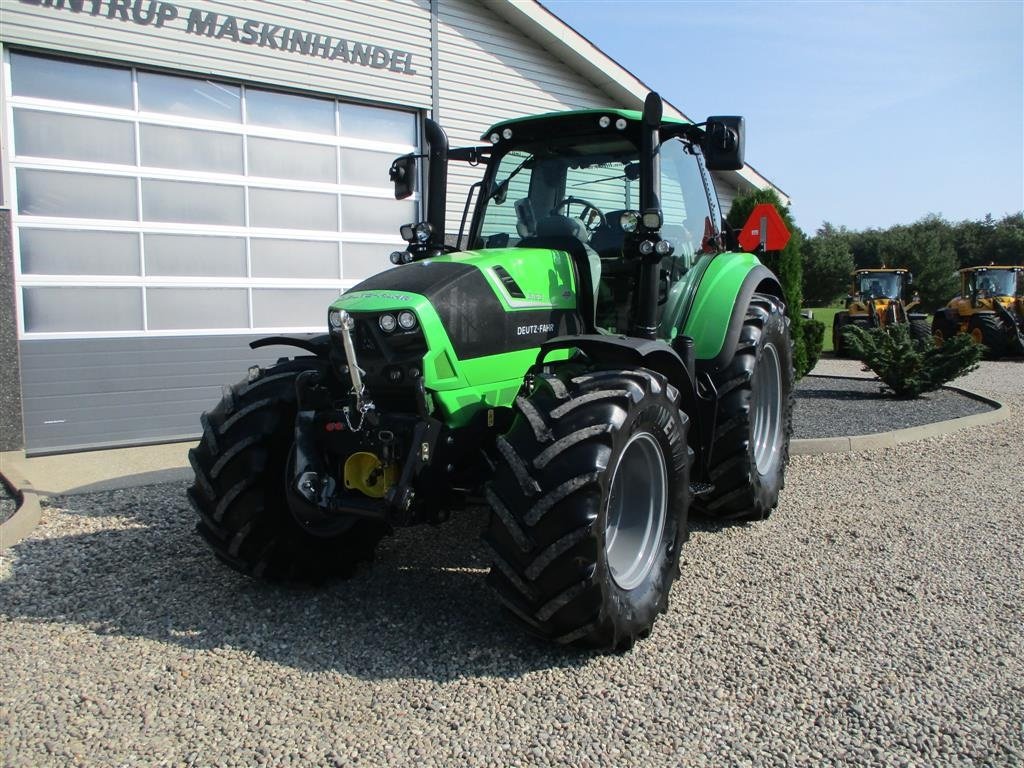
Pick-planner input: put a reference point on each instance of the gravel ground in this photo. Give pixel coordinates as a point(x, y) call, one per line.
point(8, 504)
point(831, 407)
point(874, 619)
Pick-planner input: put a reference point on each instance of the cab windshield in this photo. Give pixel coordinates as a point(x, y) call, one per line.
point(878, 285)
point(995, 282)
point(579, 187)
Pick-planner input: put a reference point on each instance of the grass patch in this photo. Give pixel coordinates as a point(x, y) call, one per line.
point(825, 315)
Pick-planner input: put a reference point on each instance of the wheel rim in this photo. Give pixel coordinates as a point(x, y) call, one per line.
point(637, 509)
point(766, 431)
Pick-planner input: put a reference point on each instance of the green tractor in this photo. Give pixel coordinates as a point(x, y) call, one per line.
point(596, 361)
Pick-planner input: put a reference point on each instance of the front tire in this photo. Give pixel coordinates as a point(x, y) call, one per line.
point(989, 330)
point(240, 490)
point(755, 417)
point(838, 323)
point(942, 328)
point(589, 506)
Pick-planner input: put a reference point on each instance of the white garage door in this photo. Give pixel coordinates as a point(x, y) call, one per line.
point(150, 205)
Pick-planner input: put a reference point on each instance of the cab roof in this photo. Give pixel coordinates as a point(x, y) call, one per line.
point(986, 267)
point(629, 114)
point(898, 270)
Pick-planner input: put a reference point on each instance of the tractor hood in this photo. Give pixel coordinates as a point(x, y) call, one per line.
point(475, 311)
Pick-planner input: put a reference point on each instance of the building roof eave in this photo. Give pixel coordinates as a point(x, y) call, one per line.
point(554, 35)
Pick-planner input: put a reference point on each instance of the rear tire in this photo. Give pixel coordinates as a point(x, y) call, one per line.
point(240, 486)
point(989, 330)
point(589, 506)
point(755, 417)
point(919, 330)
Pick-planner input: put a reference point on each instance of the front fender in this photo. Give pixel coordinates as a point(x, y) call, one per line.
point(715, 316)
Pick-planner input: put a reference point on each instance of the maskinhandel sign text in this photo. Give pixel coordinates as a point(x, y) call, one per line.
point(276, 37)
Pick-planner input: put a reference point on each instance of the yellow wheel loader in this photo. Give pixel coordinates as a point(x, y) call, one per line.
point(877, 299)
point(990, 307)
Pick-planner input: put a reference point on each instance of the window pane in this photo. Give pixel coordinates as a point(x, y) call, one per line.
point(188, 97)
point(292, 160)
point(47, 134)
point(375, 214)
point(82, 309)
point(282, 209)
point(76, 195)
point(164, 147)
point(294, 258)
point(367, 169)
point(291, 308)
point(192, 203)
point(65, 80)
point(376, 124)
point(287, 110)
point(361, 260)
point(195, 255)
point(78, 252)
point(172, 308)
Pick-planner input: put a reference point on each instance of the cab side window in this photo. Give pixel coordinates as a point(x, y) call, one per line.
point(684, 199)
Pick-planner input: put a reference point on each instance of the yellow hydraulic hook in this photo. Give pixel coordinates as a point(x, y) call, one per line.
point(364, 472)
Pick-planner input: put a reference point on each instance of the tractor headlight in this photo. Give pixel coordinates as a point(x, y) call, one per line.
point(396, 257)
point(494, 137)
point(629, 221)
point(506, 134)
point(423, 231)
point(407, 320)
point(663, 247)
point(646, 248)
point(621, 124)
point(387, 323)
point(604, 121)
point(407, 233)
point(334, 319)
point(652, 219)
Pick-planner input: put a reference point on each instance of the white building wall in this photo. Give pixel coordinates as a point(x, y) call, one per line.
point(136, 32)
point(489, 71)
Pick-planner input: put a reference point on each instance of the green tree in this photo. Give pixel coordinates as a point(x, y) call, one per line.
point(827, 263)
point(786, 264)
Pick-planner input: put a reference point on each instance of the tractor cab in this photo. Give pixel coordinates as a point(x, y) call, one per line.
point(626, 194)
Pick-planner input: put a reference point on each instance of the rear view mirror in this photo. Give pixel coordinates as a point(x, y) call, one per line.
point(723, 143)
point(403, 174)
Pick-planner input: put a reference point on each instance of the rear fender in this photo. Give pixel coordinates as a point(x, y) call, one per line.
point(715, 317)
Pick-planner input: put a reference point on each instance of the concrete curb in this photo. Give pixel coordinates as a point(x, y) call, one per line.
point(28, 514)
point(877, 440)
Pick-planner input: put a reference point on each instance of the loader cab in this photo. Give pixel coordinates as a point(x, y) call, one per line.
point(879, 285)
point(572, 182)
point(990, 282)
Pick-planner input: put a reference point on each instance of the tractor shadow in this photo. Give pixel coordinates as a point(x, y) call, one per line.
point(422, 611)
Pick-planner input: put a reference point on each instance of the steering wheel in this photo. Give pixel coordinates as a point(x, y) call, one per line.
point(591, 216)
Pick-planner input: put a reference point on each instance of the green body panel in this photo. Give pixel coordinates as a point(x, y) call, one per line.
point(700, 305)
point(545, 276)
point(629, 114)
point(460, 388)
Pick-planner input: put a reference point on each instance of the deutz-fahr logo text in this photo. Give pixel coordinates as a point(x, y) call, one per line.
point(527, 330)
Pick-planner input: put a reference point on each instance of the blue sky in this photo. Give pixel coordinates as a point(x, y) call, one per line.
point(867, 114)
